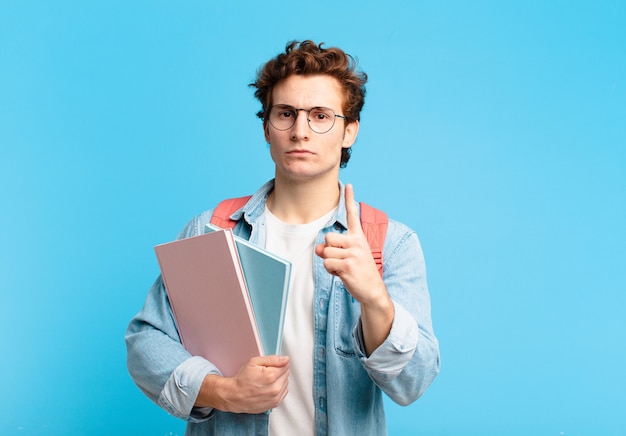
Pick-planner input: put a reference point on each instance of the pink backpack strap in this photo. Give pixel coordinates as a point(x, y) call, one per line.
point(374, 223)
point(223, 211)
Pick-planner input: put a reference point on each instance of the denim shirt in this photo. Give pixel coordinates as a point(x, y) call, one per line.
point(347, 384)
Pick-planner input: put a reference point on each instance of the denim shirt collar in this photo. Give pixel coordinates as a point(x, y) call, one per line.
point(255, 207)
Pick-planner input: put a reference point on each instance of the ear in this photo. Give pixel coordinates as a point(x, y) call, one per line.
point(266, 130)
point(350, 133)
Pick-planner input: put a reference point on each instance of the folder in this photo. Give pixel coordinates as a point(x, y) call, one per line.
point(209, 298)
point(268, 277)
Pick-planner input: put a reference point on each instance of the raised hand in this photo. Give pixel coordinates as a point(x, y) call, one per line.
point(349, 257)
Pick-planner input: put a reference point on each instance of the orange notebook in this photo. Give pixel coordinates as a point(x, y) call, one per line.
point(207, 291)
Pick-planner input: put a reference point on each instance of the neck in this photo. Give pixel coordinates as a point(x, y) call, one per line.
point(301, 203)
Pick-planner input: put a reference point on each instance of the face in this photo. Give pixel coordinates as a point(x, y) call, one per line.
point(298, 152)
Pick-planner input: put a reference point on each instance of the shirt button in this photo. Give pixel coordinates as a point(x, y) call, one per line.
point(322, 403)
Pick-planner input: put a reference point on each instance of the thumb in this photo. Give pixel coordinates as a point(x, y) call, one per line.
point(272, 360)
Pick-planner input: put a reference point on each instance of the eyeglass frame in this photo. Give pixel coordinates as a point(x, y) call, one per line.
point(308, 120)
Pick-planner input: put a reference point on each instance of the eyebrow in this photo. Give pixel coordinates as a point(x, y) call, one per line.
point(294, 107)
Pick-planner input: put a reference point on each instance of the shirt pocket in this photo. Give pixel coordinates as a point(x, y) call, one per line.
point(346, 313)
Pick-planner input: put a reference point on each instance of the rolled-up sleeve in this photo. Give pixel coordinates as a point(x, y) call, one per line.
point(181, 389)
point(407, 362)
point(390, 358)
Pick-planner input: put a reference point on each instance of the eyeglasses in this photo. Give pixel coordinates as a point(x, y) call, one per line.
point(320, 119)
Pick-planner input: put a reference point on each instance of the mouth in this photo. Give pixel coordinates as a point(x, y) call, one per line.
point(299, 152)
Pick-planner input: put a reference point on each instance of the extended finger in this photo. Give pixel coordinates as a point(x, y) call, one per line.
point(354, 221)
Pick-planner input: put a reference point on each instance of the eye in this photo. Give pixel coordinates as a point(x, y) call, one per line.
point(285, 113)
point(320, 114)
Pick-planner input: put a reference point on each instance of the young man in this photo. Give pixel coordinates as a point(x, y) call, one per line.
point(349, 334)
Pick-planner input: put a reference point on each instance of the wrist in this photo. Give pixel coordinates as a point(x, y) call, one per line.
point(379, 302)
point(213, 393)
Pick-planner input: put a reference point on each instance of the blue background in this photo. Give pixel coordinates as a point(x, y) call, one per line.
point(496, 129)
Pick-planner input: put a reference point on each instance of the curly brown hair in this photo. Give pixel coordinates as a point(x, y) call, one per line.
point(308, 58)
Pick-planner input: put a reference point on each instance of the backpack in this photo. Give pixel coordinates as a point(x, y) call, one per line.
point(373, 221)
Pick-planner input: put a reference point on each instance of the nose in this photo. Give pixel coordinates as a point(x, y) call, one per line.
point(301, 128)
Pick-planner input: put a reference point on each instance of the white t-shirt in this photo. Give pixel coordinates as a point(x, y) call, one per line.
point(296, 243)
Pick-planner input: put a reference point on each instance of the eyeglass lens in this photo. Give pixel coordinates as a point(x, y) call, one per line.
point(321, 119)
